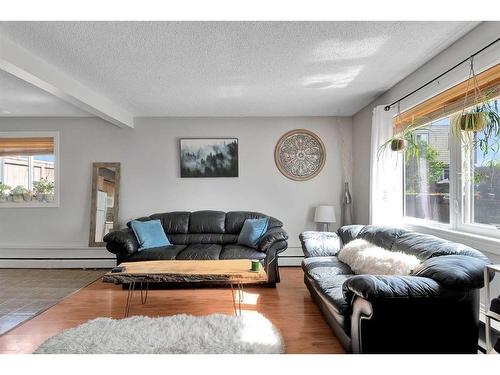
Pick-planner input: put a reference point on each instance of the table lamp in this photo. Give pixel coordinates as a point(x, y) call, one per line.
point(325, 215)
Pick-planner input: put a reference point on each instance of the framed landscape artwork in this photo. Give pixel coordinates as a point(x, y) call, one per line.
point(209, 157)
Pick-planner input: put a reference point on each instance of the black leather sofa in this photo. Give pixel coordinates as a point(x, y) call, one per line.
point(203, 235)
point(435, 310)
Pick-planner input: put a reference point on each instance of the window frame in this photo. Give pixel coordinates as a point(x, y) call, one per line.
point(415, 221)
point(460, 200)
point(57, 168)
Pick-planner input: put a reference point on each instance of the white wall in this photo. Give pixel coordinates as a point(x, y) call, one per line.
point(150, 175)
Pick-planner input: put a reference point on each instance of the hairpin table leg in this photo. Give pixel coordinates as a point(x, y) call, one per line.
point(130, 293)
point(240, 296)
point(145, 297)
point(234, 299)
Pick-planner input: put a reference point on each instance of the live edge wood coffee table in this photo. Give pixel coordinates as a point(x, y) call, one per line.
point(232, 272)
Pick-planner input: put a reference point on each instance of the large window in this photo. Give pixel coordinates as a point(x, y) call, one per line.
point(28, 169)
point(481, 183)
point(427, 184)
point(450, 182)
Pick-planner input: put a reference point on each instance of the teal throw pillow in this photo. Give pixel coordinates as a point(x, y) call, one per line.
point(252, 231)
point(149, 234)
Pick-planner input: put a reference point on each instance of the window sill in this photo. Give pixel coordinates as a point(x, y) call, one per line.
point(29, 205)
point(482, 243)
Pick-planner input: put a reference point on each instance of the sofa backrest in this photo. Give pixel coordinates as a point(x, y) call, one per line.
point(423, 246)
point(207, 226)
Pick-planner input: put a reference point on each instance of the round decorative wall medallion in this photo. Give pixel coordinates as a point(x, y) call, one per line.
point(300, 155)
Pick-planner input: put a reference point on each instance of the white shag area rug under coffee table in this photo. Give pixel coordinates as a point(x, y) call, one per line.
point(250, 333)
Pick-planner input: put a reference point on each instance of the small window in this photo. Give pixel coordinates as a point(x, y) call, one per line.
point(29, 169)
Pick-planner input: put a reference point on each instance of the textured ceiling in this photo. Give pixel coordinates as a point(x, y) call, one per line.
point(236, 68)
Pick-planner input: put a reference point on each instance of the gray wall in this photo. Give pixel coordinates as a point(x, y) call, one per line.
point(150, 174)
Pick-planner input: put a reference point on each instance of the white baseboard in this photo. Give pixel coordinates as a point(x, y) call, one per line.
point(290, 261)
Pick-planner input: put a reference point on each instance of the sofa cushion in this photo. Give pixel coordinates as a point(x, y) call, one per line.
point(332, 287)
point(381, 236)
point(157, 253)
point(348, 233)
point(319, 244)
point(173, 222)
point(321, 267)
point(236, 219)
point(240, 252)
point(186, 239)
point(329, 274)
point(425, 246)
point(207, 222)
point(200, 251)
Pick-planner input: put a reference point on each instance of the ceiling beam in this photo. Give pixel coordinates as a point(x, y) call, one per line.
point(30, 68)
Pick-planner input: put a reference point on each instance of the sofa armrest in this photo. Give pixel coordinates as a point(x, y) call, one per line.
point(121, 242)
point(373, 288)
point(271, 260)
point(272, 236)
point(319, 244)
point(410, 314)
point(455, 271)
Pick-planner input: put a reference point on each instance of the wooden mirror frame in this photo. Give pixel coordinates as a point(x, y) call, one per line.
point(93, 202)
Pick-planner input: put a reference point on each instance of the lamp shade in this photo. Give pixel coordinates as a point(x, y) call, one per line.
point(324, 214)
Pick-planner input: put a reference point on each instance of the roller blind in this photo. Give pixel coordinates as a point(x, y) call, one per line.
point(451, 100)
point(26, 146)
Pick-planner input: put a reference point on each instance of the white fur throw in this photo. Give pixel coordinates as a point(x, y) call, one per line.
point(365, 258)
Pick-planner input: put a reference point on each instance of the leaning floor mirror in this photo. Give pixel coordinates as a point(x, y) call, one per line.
point(104, 203)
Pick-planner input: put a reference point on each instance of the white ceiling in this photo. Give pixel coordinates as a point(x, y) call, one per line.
point(225, 68)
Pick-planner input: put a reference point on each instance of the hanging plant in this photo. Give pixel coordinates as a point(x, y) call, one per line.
point(482, 117)
point(404, 140)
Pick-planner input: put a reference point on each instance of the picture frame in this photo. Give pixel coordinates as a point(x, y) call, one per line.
point(208, 157)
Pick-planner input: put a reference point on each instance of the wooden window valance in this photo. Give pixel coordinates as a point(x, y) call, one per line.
point(26, 146)
point(452, 100)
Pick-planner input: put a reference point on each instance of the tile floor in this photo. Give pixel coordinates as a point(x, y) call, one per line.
point(25, 293)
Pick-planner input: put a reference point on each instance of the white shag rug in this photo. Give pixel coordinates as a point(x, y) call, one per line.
point(250, 333)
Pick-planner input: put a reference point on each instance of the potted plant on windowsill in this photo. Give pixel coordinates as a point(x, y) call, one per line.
point(4, 192)
point(44, 190)
point(49, 196)
point(18, 194)
point(27, 195)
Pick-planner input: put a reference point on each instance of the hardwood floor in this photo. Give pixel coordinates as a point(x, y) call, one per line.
point(289, 307)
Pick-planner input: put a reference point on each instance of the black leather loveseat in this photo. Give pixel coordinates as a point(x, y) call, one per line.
point(203, 235)
point(435, 310)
